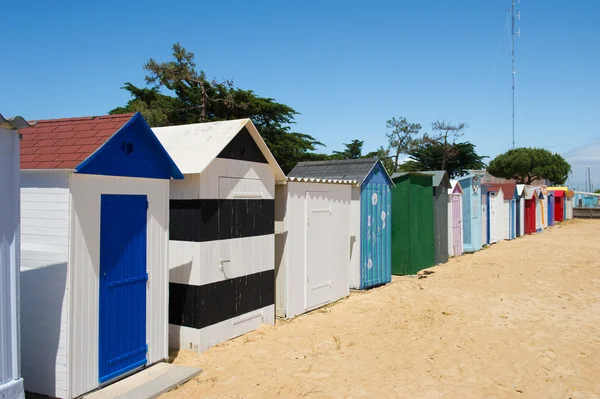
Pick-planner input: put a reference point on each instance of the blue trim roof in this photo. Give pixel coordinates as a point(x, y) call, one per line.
point(133, 151)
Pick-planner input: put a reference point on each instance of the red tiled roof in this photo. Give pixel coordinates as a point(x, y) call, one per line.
point(508, 188)
point(65, 143)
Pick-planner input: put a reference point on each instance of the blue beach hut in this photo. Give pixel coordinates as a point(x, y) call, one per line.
point(472, 208)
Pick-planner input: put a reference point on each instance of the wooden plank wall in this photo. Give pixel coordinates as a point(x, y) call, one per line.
point(586, 213)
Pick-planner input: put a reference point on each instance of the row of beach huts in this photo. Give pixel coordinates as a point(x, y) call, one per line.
point(118, 241)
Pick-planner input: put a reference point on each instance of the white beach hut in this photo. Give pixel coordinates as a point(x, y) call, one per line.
point(94, 241)
point(222, 241)
point(313, 243)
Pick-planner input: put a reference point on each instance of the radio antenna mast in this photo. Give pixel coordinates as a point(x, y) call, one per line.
point(512, 13)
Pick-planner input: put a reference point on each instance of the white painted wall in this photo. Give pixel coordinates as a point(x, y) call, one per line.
point(45, 213)
point(85, 266)
point(338, 198)
point(499, 220)
point(196, 263)
point(281, 249)
point(258, 178)
point(569, 207)
point(200, 340)
point(506, 220)
point(11, 383)
point(521, 210)
point(354, 266)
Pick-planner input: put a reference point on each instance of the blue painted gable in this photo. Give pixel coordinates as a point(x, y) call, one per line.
point(378, 175)
point(133, 151)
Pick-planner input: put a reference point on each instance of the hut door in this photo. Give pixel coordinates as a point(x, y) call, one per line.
point(456, 225)
point(123, 277)
point(317, 258)
point(492, 223)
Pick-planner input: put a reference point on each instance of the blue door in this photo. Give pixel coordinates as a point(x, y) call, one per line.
point(123, 277)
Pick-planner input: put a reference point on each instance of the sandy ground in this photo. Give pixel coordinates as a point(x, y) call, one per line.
point(520, 319)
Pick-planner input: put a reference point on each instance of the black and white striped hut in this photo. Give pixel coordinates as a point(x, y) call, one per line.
point(221, 248)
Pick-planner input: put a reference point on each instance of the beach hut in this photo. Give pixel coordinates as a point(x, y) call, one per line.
point(94, 243)
point(560, 197)
point(569, 204)
point(520, 210)
point(550, 195)
point(412, 222)
point(312, 243)
point(222, 232)
point(441, 184)
point(472, 226)
point(496, 214)
point(485, 238)
point(540, 210)
point(544, 207)
point(530, 195)
point(11, 383)
point(370, 230)
point(511, 197)
point(455, 233)
point(586, 200)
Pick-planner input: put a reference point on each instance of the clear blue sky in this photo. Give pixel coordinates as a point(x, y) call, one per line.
point(346, 66)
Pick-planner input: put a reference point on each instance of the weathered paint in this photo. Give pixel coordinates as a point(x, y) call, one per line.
point(11, 383)
point(472, 226)
point(375, 229)
point(413, 245)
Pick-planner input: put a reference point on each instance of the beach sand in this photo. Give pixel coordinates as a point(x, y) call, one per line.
point(520, 319)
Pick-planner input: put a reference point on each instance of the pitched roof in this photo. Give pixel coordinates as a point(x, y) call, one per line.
point(508, 189)
point(194, 146)
point(439, 177)
point(65, 143)
point(455, 187)
point(355, 170)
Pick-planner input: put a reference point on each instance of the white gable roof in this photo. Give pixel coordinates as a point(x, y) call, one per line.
point(193, 147)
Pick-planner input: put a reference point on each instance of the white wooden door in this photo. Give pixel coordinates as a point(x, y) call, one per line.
point(493, 222)
point(318, 267)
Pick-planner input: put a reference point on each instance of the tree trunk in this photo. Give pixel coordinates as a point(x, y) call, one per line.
point(396, 161)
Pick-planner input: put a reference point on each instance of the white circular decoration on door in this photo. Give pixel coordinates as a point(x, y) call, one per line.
point(369, 221)
point(374, 199)
point(369, 264)
point(383, 215)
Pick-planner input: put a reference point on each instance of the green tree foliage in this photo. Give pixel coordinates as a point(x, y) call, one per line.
point(446, 133)
point(353, 150)
point(454, 158)
point(383, 154)
point(401, 137)
point(198, 99)
point(528, 164)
